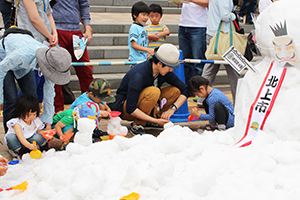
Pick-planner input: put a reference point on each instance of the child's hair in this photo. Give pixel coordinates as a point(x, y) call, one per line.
point(195, 82)
point(156, 8)
point(138, 8)
point(26, 104)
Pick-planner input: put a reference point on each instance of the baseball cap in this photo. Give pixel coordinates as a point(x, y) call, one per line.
point(101, 89)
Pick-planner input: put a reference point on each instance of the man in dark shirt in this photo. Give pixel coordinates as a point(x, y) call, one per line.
point(140, 97)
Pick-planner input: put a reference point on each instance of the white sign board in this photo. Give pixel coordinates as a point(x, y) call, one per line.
point(236, 60)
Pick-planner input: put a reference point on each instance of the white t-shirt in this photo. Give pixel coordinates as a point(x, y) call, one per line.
point(263, 4)
point(28, 131)
point(193, 15)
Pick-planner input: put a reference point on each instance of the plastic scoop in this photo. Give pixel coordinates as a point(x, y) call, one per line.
point(22, 186)
point(35, 154)
point(49, 134)
point(66, 137)
point(191, 117)
point(132, 196)
point(114, 113)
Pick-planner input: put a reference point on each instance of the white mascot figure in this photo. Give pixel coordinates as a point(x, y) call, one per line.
point(87, 115)
point(268, 100)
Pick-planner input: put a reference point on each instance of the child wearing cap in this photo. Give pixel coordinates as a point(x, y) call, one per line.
point(99, 92)
point(65, 122)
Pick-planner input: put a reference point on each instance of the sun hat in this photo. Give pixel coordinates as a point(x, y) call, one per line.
point(101, 89)
point(55, 64)
point(168, 54)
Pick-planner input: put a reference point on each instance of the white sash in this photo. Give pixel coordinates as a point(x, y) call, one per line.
point(263, 103)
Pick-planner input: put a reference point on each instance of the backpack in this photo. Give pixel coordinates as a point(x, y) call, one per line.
point(15, 30)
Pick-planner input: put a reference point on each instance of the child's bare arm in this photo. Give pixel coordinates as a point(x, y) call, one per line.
point(58, 127)
point(153, 37)
point(164, 33)
point(141, 48)
point(22, 139)
point(195, 113)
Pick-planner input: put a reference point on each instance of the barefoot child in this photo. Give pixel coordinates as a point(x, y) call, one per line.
point(219, 109)
point(25, 127)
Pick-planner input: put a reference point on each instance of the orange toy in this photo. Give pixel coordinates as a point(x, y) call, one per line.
point(49, 134)
point(66, 137)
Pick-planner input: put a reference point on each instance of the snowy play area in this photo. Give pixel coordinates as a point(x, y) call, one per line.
point(180, 164)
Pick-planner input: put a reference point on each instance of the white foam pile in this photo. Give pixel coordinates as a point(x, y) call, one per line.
point(179, 163)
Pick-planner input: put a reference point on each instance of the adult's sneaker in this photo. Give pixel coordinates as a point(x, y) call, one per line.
point(151, 125)
point(136, 129)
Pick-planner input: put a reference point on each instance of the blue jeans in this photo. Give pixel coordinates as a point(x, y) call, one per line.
point(10, 91)
point(5, 11)
point(247, 7)
point(39, 81)
point(192, 42)
point(14, 144)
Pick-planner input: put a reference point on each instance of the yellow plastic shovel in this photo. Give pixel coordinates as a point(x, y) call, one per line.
point(35, 154)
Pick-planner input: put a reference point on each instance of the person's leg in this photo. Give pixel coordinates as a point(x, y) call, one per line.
point(244, 8)
point(198, 44)
point(39, 80)
point(185, 46)
point(210, 71)
point(10, 97)
point(221, 115)
point(58, 99)
point(251, 9)
point(171, 94)
point(13, 142)
point(84, 73)
point(5, 9)
point(147, 101)
point(233, 77)
point(38, 138)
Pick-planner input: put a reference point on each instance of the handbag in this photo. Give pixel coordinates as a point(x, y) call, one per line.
point(221, 42)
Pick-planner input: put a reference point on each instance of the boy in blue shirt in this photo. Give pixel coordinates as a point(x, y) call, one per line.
point(99, 92)
point(219, 109)
point(138, 38)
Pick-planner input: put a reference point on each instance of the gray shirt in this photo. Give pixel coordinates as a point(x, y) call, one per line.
point(24, 22)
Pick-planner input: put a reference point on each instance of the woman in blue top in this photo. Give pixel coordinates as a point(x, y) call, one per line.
point(219, 109)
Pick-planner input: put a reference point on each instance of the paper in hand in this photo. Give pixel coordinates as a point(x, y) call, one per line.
point(79, 45)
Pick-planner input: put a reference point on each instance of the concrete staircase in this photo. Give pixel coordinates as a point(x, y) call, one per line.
point(111, 20)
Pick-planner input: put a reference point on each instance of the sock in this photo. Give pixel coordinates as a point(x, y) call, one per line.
point(221, 127)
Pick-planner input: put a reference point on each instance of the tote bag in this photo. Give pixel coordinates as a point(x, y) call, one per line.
point(221, 42)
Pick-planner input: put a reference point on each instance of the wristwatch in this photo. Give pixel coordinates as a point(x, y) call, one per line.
point(174, 107)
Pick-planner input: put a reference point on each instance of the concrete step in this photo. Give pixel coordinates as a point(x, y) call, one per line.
point(163, 3)
point(115, 79)
point(108, 27)
point(114, 74)
point(102, 39)
point(109, 52)
point(127, 9)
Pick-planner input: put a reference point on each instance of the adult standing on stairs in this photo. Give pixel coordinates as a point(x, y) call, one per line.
point(67, 15)
point(191, 34)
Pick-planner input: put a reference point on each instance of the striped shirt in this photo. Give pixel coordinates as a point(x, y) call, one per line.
point(153, 29)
